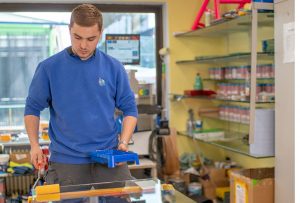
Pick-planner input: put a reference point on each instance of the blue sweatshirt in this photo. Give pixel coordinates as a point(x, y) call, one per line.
point(82, 97)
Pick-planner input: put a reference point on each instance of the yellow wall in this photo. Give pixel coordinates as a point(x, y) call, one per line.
point(181, 15)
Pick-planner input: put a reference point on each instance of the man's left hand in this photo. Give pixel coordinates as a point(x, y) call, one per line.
point(122, 147)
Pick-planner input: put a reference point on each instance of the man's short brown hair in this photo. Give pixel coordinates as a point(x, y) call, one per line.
point(86, 15)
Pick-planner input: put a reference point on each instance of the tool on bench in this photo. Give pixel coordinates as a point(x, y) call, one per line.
point(39, 180)
point(41, 171)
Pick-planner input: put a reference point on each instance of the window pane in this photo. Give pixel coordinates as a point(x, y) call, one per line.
point(26, 38)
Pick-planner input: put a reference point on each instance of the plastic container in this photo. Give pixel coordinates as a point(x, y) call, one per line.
point(195, 189)
point(198, 125)
point(5, 137)
point(4, 158)
point(207, 18)
point(198, 82)
point(45, 135)
point(111, 157)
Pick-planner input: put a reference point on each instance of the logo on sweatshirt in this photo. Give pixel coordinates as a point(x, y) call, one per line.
point(101, 82)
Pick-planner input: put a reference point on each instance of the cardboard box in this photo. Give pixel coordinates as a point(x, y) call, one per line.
point(208, 188)
point(252, 186)
point(189, 178)
point(216, 177)
point(149, 100)
point(145, 90)
point(20, 158)
point(145, 122)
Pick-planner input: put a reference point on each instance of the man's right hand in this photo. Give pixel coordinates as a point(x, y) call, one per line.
point(38, 159)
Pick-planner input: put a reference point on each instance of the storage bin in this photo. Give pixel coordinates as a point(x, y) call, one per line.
point(112, 157)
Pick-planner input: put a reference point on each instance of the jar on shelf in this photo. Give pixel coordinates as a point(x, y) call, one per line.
point(218, 74)
point(269, 88)
point(234, 72)
point(45, 135)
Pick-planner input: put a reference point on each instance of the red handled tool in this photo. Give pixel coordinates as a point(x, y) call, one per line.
point(41, 170)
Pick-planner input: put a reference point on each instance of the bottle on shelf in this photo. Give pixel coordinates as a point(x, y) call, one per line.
point(190, 123)
point(208, 15)
point(198, 82)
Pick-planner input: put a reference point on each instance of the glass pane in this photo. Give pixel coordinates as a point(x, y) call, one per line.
point(26, 38)
point(142, 190)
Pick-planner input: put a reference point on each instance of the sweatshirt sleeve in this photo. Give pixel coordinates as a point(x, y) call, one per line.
point(125, 100)
point(39, 93)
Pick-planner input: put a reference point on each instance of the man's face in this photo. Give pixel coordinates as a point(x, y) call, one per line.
point(84, 40)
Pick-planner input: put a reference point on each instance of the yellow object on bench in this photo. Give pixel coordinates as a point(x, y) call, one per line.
point(220, 192)
point(167, 187)
point(47, 192)
point(5, 137)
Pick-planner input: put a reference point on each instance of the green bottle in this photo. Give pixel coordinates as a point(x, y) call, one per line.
point(198, 82)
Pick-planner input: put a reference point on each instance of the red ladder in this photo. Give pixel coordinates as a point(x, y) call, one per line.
point(197, 24)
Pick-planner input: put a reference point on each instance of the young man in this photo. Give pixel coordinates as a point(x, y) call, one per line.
point(82, 87)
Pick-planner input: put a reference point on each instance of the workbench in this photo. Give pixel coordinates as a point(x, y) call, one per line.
point(145, 164)
point(139, 191)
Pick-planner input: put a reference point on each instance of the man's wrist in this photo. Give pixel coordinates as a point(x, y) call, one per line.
point(123, 142)
point(34, 144)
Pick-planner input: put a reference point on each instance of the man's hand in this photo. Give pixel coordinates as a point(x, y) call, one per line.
point(38, 159)
point(122, 147)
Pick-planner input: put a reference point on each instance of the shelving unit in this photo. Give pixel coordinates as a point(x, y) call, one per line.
point(217, 117)
point(234, 145)
point(235, 80)
point(227, 26)
point(179, 97)
point(227, 58)
point(261, 16)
